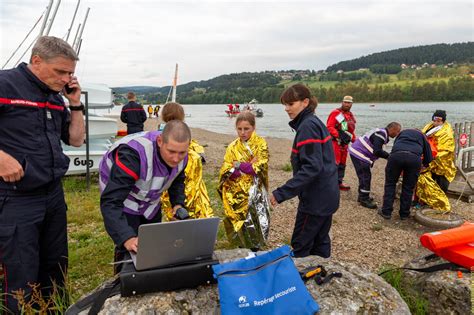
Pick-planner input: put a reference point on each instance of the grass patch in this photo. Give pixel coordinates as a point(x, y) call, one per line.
point(211, 179)
point(376, 227)
point(91, 250)
point(418, 304)
point(287, 167)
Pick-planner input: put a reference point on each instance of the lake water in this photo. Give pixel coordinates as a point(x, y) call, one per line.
point(274, 123)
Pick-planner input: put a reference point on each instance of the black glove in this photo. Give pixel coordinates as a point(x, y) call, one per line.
point(344, 137)
point(181, 214)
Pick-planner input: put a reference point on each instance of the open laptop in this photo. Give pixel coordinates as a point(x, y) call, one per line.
point(174, 243)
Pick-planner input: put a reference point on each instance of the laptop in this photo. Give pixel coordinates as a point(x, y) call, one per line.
point(175, 243)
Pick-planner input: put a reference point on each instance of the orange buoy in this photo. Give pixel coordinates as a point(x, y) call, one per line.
point(121, 133)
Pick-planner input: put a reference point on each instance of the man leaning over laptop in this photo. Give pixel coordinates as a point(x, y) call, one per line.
point(133, 174)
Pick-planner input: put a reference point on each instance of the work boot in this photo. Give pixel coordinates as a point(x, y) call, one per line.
point(368, 204)
point(344, 187)
point(359, 199)
point(383, 215)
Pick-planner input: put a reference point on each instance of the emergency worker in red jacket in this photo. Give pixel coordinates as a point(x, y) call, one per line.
point(341, 125)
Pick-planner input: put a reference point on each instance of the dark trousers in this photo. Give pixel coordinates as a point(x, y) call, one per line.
point(33, 242)
point(364, 174)
point(442, 182)
point(134, 221)
point(341, 171)
point(311, 235)
point(410, 165)
point(134, 129)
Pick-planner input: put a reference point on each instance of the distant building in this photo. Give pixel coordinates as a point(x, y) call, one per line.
point(404, 66)
point(339, 72)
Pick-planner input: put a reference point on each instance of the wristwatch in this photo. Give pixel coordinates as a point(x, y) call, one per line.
point(80, 107)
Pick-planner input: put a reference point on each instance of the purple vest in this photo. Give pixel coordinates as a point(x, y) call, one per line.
point(363, 149)
point(154, 177)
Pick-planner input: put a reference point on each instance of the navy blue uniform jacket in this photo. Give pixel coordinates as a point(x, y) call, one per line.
point(414, 141)
point(314, 168)
point(133, 115)
point(33, 121)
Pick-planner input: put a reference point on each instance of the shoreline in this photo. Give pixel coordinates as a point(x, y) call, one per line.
point(358, 234)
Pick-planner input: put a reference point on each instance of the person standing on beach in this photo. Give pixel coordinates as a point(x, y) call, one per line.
point(150, 111)
point(314, 175)
point(434, 181)
point(364, 152)
point(197, 201)
point(410, 150)
point(341, 125)
point(243, 185)
point(34, 120)
point(133, 114)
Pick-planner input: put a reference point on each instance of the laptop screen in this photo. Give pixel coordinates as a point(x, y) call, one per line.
point(176, 242)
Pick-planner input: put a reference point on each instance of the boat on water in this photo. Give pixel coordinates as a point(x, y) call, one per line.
point(232, 110)
point(252, 106)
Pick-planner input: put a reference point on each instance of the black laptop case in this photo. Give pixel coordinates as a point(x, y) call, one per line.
point(133, 282)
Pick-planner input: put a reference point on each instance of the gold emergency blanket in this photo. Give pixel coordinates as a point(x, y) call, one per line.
point(245, 198)
point(197, 199)
point(427, 190)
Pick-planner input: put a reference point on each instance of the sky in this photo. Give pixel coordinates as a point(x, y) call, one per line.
point(132, 43)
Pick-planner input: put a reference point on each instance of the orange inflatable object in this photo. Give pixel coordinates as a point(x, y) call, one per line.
point(121, 133)
point(455, 245)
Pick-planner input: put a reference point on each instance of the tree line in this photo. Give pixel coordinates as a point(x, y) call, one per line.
point(432, 54)
point(455, 89)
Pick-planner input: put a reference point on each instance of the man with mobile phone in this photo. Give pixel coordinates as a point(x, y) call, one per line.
point(34, 120)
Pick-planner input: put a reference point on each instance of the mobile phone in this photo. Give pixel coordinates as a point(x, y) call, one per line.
point(68, 89)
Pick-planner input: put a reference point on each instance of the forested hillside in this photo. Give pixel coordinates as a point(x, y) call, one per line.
point(440, 54)
point(377, 78)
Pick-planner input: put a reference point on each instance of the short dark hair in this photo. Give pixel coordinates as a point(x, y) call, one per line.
point(246, 116)
point(49, 47)
point(176, 130)
point(131, 95)
point(394, 124)
point(172, 111)
point(298, 92)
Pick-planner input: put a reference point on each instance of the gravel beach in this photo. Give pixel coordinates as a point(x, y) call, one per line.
point(358, 234)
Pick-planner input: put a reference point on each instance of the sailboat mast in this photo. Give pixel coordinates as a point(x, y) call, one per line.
point(175, 81)
point(51, 21)
point(46, 16)
point(72, 22)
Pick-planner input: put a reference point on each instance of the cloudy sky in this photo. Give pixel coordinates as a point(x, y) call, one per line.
point(138, 42)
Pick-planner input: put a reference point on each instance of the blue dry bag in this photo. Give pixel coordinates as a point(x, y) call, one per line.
point(265, 284)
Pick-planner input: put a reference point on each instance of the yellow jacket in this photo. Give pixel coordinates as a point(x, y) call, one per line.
point(197, 199)
point(427, 190)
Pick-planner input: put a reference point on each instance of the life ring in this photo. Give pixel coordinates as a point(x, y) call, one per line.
point(437, 219)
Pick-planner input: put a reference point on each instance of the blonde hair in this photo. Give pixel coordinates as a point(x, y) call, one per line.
point(246, 116)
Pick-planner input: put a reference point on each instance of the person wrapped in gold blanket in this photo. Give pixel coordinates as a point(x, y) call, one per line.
point(197, 200)
point(243, 186)
point(433, 182)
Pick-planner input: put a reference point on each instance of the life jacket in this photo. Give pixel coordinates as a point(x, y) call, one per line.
point(154, 177)
point(363, 149)
point(455, 245)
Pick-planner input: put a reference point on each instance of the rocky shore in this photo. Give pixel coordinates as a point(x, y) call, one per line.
point(358, 234)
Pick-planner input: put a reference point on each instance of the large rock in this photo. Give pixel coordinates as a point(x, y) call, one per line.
point(445, 291)
point(357, 292)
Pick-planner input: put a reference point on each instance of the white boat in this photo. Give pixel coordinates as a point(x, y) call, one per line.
point(99, 95)
point(78, 157)
point(252, 106)
point(102, 127)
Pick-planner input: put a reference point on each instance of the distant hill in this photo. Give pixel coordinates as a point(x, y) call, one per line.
point(441, 72)
point(432, 54)
point(137, 89)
